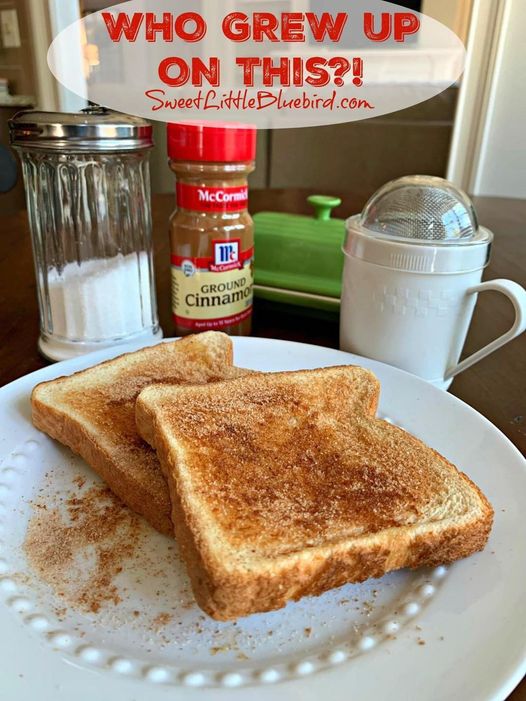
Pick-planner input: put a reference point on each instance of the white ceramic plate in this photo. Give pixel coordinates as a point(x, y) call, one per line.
point(448, 633)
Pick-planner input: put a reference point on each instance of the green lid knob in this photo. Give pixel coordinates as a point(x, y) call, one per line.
point(323, 205)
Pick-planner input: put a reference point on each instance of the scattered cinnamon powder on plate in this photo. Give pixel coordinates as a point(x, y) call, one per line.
point(161, 620)
point(80, 481)
point(79, 548)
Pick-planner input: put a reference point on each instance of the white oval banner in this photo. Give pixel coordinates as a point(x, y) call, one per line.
point(322, 62)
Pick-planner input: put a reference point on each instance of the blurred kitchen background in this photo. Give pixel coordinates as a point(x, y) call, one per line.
point(473, 133)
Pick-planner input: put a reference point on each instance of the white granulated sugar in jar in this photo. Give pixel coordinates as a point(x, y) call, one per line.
point(102, 298)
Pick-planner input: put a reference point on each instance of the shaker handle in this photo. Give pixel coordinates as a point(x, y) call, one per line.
point(517, 295)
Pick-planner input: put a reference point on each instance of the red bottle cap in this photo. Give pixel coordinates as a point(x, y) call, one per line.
point(213, 142)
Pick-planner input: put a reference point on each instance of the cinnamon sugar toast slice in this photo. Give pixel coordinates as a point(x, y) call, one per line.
point(93, 412)
point(285, 485)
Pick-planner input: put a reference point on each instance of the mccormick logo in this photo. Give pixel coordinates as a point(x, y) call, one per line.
point(226, 252)
point(226, 256)
point(212, 199)
point(218, 196)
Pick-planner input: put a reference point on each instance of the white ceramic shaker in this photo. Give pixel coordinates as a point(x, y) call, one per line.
point(414, 260)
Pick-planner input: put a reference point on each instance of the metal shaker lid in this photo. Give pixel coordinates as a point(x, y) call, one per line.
point(422, 208)
point(419, 223)
point(94, 129)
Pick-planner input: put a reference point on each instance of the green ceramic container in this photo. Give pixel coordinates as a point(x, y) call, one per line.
point(299, 259)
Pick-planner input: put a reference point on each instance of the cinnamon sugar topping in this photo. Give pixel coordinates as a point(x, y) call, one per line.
point(80, 546)
point(161, 620)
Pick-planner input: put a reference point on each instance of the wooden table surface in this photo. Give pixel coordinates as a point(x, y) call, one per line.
point(496, 386)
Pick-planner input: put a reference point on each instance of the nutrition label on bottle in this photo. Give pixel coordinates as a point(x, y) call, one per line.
point(213, 292)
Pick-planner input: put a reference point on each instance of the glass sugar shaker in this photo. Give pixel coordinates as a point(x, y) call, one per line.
point(87, 185)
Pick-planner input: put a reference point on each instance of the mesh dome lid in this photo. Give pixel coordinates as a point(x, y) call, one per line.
point(419, 224)
point(422, 209)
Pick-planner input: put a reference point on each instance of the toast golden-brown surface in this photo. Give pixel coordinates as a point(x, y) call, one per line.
point(286, 484)
point(93, 412)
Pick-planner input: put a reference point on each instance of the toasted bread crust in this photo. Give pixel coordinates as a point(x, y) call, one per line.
point(225, 595)
point(151, 499)
point(229, 589)
point(134, 474)
point(240, 594)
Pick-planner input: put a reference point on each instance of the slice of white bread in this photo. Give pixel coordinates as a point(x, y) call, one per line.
point(93, 412)
point(285, 485)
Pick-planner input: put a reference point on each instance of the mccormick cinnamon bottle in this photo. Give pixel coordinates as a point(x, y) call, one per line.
point(211, 231)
